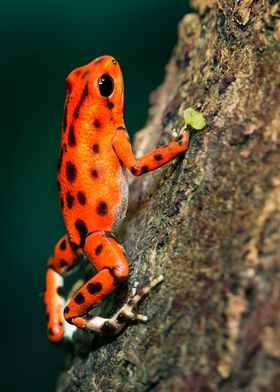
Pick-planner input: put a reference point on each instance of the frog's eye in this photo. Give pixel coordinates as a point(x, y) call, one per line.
point(106, 85)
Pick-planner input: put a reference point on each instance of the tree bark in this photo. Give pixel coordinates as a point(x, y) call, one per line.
point(209, 221)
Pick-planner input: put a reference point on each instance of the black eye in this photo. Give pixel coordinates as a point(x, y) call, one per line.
point(106, 85)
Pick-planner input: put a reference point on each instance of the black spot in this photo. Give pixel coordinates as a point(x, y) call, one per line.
point(48, 317)
point(82, 229)
point(66, 309)
point(133, 169)
point(71, 136)
point(50, 332)
point(144, 169)
point(94, 288)
point(84, 74)
point(64, 121)
point(74, 246)
point(178, 140)
point(102, 208)
point(63, 263)
point(81, 101)
point(122, 318)
point(69, 200)
point(96, 148)
point(79, 298)
point(121, 129)
point(60, 159)
point(98, 249)
point(60, 291)
point(94, 173)
point(110, 105)
point(78, 72)
point(61, 202)
point(68, 86)
point(116, 280)
point(158, 157)
point(87, 316)
point(81, 198)
point(97, 123)
point(71, 171)
point(62, 245)
point(60, 323)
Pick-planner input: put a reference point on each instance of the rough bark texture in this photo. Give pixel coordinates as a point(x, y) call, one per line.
point(209, 221)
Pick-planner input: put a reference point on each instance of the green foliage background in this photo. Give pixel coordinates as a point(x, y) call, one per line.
point(42, 41)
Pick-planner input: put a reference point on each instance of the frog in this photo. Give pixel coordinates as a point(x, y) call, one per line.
point(94, 160)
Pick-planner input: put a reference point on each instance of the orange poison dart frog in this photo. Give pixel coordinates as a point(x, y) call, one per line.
point(93, 191)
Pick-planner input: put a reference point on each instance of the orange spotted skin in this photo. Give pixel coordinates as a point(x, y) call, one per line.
point(93, 191)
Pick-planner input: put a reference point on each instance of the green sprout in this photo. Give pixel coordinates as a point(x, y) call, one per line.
point(194, 118)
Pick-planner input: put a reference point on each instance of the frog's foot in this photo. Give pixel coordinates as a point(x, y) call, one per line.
point(118, 321)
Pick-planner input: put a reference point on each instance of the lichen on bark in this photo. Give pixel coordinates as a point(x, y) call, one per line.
point(208, 221)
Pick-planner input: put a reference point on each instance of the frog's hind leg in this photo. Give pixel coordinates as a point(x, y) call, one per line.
point(118, 321)
point(109, 258)
point(60, 262)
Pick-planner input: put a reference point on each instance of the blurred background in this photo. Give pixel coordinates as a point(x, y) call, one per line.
point(42, 41)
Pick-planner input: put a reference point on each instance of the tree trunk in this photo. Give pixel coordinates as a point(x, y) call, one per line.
point(209, 221)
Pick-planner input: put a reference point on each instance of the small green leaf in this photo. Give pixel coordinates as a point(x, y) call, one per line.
point(194, 118)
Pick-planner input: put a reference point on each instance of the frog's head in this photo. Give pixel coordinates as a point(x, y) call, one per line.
point(102, 82)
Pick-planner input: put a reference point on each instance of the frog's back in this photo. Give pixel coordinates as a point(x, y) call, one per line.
point(92, 185)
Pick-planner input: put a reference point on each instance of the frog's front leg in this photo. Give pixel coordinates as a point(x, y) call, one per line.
point(109, 258)
point(60, 262)
point(153, 159)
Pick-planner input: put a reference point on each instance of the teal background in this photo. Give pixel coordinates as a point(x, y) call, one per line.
point(42, 41)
